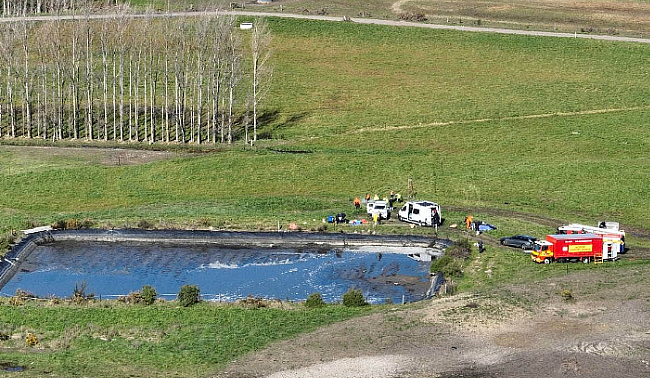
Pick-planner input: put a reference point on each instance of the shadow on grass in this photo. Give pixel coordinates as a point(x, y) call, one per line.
point(273, 122)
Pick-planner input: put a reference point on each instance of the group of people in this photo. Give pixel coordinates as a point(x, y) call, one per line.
point(394, 197)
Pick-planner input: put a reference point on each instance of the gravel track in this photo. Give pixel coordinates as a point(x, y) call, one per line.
point(373, 21)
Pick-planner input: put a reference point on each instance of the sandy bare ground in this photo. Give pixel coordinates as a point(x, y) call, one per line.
point(519, 331)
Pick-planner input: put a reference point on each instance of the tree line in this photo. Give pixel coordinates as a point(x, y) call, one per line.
point(123, 79)
point(13, 8)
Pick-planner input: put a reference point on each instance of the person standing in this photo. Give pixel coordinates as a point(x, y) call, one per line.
point(435, 218)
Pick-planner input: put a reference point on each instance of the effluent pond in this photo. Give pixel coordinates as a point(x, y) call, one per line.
point(113, 269)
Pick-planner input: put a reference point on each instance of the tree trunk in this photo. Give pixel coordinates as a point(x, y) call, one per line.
point(105, 81)
point(121, 95)
point(231, 99)
point(146, 114)
point(28, 110)
point(137, 98)
point(89, 85)
point(130, 96)
point(114, 97)
point(166, 93)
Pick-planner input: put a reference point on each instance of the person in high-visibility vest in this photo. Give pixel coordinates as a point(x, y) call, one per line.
point(357, 203)
point(375, 219)
point(468, 221)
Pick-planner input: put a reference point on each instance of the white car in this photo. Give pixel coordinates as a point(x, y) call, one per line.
point(378, 207)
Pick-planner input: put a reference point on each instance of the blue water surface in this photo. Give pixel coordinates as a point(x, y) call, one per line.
point(113, 269)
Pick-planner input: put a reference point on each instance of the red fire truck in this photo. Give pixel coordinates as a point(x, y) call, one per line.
point(609, 230)
point(575, 247)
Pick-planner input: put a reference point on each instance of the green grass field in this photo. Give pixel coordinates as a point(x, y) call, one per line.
point(113, 340)
point(456, 112)
point(555, 128)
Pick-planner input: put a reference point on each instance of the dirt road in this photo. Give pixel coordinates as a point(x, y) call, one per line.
point(372, 21)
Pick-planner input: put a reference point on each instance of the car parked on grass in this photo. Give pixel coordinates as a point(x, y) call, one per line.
point(519, 241)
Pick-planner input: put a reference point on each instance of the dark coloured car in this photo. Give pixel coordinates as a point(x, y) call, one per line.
point(519, 241)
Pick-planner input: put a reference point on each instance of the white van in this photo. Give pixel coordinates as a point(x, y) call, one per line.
point(421, 212)
point(378, 207)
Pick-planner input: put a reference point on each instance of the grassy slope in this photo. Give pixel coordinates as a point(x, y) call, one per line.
point(137, 341)
point(369, 77)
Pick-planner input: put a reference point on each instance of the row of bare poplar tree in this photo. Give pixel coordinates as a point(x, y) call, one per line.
point(133, 79)
point(13, 8)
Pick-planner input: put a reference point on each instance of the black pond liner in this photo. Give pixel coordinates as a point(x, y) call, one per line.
point(127, 259)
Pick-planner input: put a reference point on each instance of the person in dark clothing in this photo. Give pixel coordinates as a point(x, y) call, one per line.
point(435, 217)
point(481, 249)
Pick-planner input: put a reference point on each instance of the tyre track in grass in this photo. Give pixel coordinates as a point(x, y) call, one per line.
point(499, 119)
point(464, 122)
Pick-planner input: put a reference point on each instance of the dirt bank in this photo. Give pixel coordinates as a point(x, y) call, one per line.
point(518, 331)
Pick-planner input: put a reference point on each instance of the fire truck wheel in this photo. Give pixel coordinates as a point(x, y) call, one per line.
point(547, 261)
point(585, 260)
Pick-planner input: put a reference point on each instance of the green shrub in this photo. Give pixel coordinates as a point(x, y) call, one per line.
point(72, 224)
point(189, 295)
point(203, 222)
point(86, 223)
point(6, 241)
point(450, 267)
point(314, 300)
point(59, 224)
point(453, 270)
point(253, 302)
point(148, 295)
point(439, 264)
point(354, 298)
point(132, 298)
point(451, 263)
point(461, 249)
point(145, 224)
point(79, 294)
